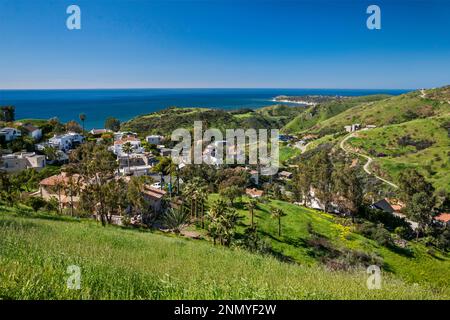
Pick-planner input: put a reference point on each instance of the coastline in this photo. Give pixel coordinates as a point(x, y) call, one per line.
point(305, 103)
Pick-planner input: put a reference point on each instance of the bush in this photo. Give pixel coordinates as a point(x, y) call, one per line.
point(376, 232)
point(36, 203)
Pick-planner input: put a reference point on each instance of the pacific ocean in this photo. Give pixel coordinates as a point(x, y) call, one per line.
point(124, 104)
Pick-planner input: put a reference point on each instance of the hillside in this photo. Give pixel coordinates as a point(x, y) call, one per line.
point(127, 264)
point(323, 111)
point(165, 121)
point(394, 110)
point(422, 144)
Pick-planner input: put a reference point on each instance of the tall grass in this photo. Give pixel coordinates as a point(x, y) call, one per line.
point(127, 264)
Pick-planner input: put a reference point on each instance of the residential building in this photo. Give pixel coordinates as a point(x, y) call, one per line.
point(443, 218)
point(285, 175)
point(117, 148)
point(154, 139)
point(33, 132)
point(155, 197)
point(64, 142)
point(254, 193)
point(54, 187)
point(99, 132)
point(20, 161)
point(352, 128)
point(9, 134)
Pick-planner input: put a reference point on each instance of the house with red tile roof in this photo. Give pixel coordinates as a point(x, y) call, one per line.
point(444, 218)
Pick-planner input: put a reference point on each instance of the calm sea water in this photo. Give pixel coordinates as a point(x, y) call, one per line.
point(125, 104)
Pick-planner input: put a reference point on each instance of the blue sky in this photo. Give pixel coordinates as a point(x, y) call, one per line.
point(254, 44)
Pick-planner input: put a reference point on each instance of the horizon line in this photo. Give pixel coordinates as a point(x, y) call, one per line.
point(207, 88)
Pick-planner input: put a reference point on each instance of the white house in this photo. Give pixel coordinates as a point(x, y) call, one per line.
point(154, 139)
point(66, 141)
point(118, 145)
point(20, 161)
point(33, 132)
point(10, 134)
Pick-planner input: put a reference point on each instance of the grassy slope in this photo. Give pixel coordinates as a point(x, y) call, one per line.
point(420, 268)
point(127, 264)
point(165, 121)
point(433, 161)
point(321, 112)
point(385, 112)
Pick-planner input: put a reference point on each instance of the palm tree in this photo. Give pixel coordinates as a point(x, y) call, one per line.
point(251, 205)
point(277, 213)
point(175, 220)
point(82, 117)
point(51, 153)
point(202, 196)
point(128, 149)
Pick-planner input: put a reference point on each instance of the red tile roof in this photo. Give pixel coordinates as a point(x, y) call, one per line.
point(154, 193)
point(254, 192)
point(444, 217)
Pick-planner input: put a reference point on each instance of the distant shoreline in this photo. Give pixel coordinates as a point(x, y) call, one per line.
point(305, 103)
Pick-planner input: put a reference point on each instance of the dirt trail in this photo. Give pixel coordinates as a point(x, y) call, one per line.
point(369, 159)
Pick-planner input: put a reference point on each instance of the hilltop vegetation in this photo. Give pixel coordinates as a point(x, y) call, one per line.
point(422, 144)
point(165, 121)
point(394, 110)
point(316, 114)
point(127, 264)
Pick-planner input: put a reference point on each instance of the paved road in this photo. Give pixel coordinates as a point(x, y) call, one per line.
point(369, 159)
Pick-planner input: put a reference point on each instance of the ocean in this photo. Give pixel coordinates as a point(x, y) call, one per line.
point(124, 104)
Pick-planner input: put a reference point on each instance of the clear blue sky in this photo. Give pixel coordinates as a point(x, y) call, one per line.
point(271, 44)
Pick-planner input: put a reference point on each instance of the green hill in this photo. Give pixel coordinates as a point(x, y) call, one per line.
point(127, 264)
point(165, 121)
point(422, 144)
point(394, 110)
point(320, 112)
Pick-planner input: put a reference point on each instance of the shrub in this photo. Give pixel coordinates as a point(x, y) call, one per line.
point(36, 203)
point(376, 232)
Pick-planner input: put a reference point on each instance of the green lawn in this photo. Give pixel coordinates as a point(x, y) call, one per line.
point(116, 263)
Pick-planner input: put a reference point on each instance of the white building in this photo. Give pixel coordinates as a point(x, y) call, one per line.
point(117, 148)
point(66, 141)
point(33, 131)
point(154, 139)
point(10, 134)
point(20, 161)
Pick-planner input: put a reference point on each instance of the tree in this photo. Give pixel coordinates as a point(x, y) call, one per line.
point(303, 181)
point(135, 195)
point(322, 170)
point(175, 220)
point(112, 123)
point(36, 203)
point(73, 126)
point(420, 209)
point(96, 165)
point(277, 213)
point(51, 153)
point(231, 193)
point(165, 167)
point(251, 206)
point(222, 221)
point(412, 182)
point(7, 113)
point(127, 148)
point(82, 117)
point(71, 184)
point(348, 190)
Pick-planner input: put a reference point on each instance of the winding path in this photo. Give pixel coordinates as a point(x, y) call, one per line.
point(369, 159)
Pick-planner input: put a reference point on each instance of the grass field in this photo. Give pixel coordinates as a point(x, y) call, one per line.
point(391, 157)
point(416, 267)
point(115, 263)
